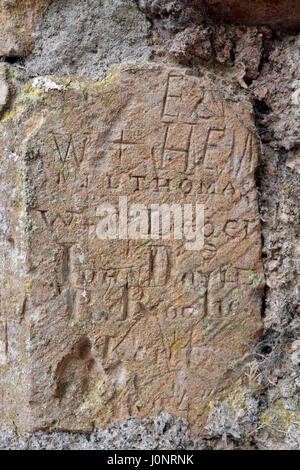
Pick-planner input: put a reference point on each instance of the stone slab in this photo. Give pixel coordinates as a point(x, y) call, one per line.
point(94, 330)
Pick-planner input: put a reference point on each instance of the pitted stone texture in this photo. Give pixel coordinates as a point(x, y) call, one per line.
point(17, 25)
point(86, 37)
point(96, 330)
point(173, 15)
point(162, 432)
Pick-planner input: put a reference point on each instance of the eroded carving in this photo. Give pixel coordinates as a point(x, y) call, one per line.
point(138, 326)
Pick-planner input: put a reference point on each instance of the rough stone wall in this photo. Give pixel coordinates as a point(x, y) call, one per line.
point(88, 37)
point(18, 20)
point(250, 61)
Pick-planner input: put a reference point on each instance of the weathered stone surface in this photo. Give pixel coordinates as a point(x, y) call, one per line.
point(170, 15)
point(17, 24)
point(87, 37)
point(283, 14)
point(95, 330)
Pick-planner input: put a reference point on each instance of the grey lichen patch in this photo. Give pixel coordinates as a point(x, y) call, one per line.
point(235, 415)
point(282, 419)
point(86, 37)
point(163, 432)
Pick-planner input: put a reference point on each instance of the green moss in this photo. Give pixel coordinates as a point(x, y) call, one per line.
point(30, 94)
point(95, 402)
point(13, 73)
point(110, 80)
point(238, 397)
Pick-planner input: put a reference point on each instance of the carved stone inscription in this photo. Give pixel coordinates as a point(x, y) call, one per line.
point(125, 327)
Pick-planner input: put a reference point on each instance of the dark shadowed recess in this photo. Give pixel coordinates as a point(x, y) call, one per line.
point(277, 14)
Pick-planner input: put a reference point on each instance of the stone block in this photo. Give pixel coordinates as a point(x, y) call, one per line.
point(94, 330)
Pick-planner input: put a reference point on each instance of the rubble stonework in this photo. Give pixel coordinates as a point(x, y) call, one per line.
point(65, 364)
